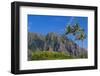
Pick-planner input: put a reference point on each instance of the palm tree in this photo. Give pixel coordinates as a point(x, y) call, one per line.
point(82, 37)
point(73, 30)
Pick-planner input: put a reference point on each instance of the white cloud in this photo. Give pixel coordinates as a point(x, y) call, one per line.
point(70, 21)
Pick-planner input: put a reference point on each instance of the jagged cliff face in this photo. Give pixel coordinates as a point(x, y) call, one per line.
point(53, 42)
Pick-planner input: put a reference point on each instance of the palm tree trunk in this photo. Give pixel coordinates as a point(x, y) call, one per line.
point(82, 47)
point(82, 43)
point(78, 47)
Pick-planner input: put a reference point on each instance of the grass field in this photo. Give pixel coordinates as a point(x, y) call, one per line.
point(50, 55)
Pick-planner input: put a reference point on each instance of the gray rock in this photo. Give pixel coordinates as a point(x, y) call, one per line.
point(54, 42)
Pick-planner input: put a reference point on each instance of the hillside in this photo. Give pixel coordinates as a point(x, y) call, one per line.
point(54, 42)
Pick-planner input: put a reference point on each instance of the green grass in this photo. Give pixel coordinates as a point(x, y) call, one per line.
point(49, 55)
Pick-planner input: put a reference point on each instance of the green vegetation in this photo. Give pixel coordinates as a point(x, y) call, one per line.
point(49, 55)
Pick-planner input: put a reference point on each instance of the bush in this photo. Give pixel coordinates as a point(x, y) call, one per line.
point(49, 55)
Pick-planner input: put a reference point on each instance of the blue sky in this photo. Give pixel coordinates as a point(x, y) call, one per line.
point(45, 23)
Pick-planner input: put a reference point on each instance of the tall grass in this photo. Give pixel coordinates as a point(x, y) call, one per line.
point(49, 55)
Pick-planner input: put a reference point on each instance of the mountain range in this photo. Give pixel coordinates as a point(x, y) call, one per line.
point(54, 42)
